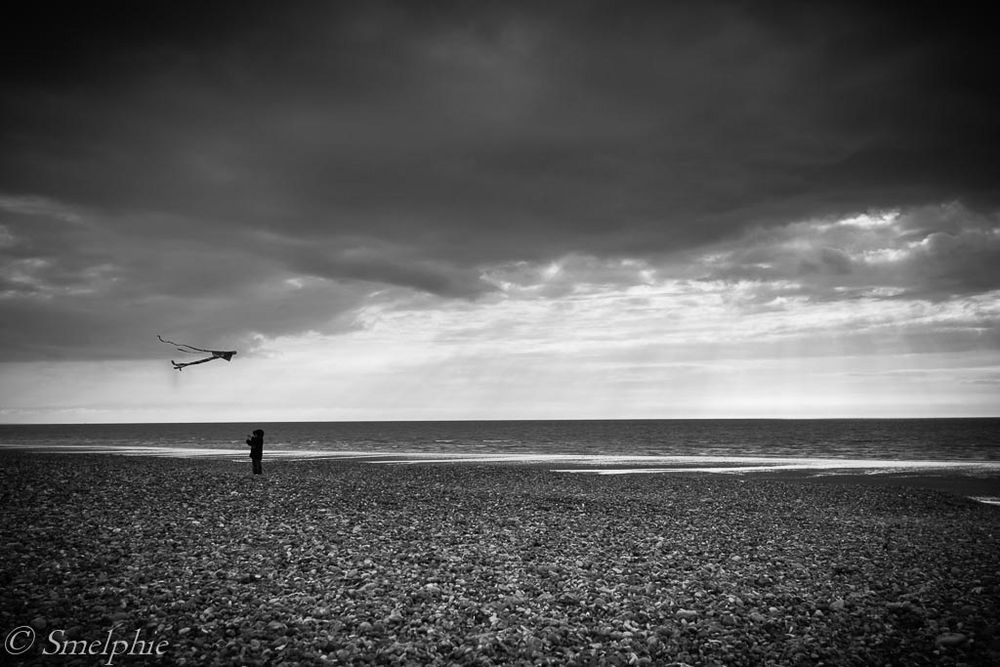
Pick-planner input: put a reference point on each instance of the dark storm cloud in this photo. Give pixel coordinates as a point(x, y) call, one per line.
point(412, 144)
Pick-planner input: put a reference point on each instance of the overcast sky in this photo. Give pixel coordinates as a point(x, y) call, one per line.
point(433, 210)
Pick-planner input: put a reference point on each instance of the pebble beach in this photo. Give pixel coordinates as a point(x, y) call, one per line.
point(349, 562)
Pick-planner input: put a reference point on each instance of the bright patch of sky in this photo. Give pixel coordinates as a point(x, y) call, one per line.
point(581, 337)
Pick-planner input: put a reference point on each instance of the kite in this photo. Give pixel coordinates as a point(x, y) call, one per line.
point(190, 349)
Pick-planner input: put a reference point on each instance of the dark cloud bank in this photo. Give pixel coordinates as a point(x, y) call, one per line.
point(234, 167)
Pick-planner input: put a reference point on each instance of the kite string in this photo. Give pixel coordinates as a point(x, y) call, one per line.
point(180, 346)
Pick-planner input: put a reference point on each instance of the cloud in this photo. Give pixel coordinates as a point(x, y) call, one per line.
point(371, 260)
point(659, 319)
point(75, 284)
point(260, 169)
point(935, 252)
point(529, 127)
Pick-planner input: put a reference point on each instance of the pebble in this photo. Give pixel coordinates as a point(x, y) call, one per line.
point(437, 564)
point(950, 639)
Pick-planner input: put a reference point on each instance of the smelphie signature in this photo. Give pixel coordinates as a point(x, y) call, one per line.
point(21, 639)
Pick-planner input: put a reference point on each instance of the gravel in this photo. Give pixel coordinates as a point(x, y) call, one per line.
point(353, 562)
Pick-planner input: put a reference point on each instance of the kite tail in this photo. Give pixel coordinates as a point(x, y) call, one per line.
point(188, 349)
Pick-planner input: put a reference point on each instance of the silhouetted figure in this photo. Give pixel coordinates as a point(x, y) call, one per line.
point(256, 444)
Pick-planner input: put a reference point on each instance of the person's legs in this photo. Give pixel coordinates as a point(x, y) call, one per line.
point(257, 467)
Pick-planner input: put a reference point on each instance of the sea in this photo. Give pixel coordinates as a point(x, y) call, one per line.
point(963, 452)
point(848, 442)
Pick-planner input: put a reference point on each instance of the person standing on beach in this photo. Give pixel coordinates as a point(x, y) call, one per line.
point(256, 444)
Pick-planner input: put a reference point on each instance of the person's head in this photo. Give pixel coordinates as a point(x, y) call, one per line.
point(258, 432)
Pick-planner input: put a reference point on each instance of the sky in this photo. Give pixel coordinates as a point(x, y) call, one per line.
point(498, 210)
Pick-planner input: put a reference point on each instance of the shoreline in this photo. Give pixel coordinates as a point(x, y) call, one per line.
point(975, 479)
point(350, 562)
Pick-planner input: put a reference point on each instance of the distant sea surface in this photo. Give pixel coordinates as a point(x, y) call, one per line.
point(961, 455)
point(969, 440)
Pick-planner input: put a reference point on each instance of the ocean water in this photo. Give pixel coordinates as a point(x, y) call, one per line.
point(959, 454)
point(918, 441)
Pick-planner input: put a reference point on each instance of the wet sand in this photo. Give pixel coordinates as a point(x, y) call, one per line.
point(362, 563)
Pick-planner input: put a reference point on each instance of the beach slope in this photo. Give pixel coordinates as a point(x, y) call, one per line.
point(354, 562)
